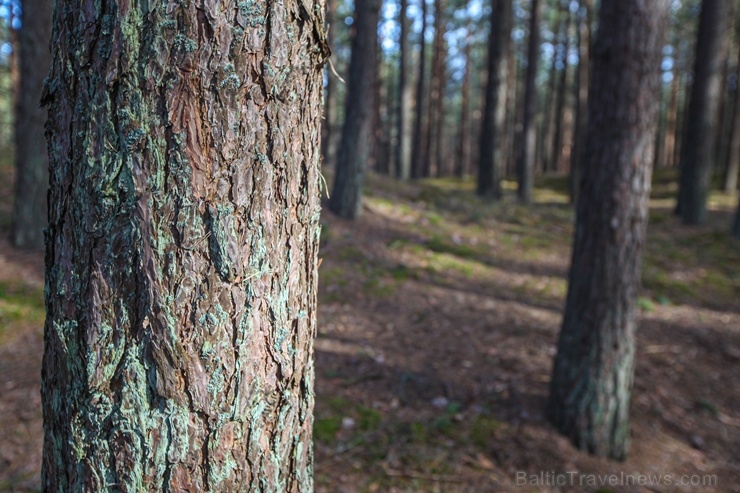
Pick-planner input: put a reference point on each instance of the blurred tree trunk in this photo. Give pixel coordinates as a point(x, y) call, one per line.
point(354, 147)
point(733, 156)
point(529, 127)
point(562, 85)
point(331, 99)
point(418, 156)
point(31, 158)
point(593, 371)
point(436, 93)
point(669, 147)
point(405, 94)
point(462, 157)
point(581, 107)
point(181, 265)
point(544, 146)
point(736, 223)
point(491, 157)
point(697, 153)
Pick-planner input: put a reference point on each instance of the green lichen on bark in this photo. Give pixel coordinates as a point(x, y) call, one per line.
point(181, 267)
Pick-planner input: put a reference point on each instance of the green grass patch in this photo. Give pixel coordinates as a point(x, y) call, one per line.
point(19, 304)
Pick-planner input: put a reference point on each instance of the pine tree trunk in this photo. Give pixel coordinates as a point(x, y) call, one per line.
point(581, 108)
point(556, 155)
point(31, 159)
point(462, 157)
point(331, 99)
point(403, 147)
point(354, 148)
point(548, 123)
point(697, 152)
point(182, 254)
point(492, 136)
point(529, 127)
point(418, 157)
point(593, 370)
point(669, 148)
point(733, 156)
point(436, 93)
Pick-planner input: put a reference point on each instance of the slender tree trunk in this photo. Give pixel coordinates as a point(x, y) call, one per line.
point(669, 147)
point(548, 124)
point(354, 148)
point(436, 96)
point(403, 148)
point(331, 99)
point(733, 157)
point(418, 157)
point(557, 142)
point(31, 159)
point(514, 113)
point(491, 158)
point(696, 153)
point(593, 370)
point(581, 108)
point(529, 125)
point(736, 223)
point(462, 157)
point(181, 265)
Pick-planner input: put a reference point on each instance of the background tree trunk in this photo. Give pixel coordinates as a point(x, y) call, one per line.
point(462, 157)
point(593, 370)
point(435, 145)
point(183, 238)
point(490, 158)
point(331, 99)
point(403, 147)
point(31, 159)
point(529, 127)
point(581, 107)
point(556, 155)
point(697, 153)
point(418, 157)
point(354, 148)
point(733, 156)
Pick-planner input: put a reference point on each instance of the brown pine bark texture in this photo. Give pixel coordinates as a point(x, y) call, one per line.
point(594, 366)
point(184, 225)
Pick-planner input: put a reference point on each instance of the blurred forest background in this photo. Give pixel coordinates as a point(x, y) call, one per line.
point(444, 275)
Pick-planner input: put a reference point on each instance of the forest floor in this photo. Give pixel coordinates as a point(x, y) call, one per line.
point(438, 320)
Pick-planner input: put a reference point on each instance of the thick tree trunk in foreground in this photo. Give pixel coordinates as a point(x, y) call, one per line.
point(593, 371)
point(354, 148)
point(490, 157)
point(697, 153)
point(181, 262)
point(529, 128)
point(31, 159)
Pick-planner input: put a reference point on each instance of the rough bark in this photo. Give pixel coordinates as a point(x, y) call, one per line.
point(697, 153)
point(490, 156)
point(354, 146)
point(418, 157)
point(581, 107)
point(593, 371)
point(181, 265)
point(31, 160)
point(403, 121)
point(529, 128)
